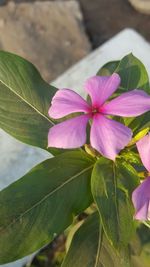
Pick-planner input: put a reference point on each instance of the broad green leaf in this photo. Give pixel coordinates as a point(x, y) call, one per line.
point(89, 248)
point(24, 100)
point(144, 259)
point(43, 203)
point(108, 68)
point(84, 247)
point(132, 72)
point(109, 257)
point(127, 176)
point(113, 203)
point(133, 76)
point(140, 248)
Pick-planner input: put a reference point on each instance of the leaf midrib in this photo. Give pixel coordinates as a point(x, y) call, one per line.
point(47, 196)
point(33, 107)
point(99, 247)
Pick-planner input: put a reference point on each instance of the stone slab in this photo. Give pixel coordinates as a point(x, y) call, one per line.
point(125, 42)
point(17, 158)
point(49, 34)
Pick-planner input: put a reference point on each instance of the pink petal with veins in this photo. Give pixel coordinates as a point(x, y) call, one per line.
point(143, 147)
point(65, 102)
point(69, 134)
point(109, 136)
point(100, 88)
point(141, 200)
point(130, 104)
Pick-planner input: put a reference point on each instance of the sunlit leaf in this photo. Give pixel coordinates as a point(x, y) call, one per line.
point(90, 248)
point(113, 203)
point(43, 203)
point(24, 100)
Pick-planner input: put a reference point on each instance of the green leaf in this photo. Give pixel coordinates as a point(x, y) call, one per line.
point(127, 176)
point(113, 203)
point(43, 203)
point(139, 123)
point(84, 249)
point(144, 259)
point(24, 100)
point(89, 248)
point(133, 76)
point(130, 156)
point(132, 72)
point(110, 258)
point(108, 68)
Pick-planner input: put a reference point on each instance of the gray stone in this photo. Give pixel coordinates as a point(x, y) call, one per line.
point(49, 34)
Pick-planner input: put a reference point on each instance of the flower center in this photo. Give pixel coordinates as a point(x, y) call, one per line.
point(95, 110)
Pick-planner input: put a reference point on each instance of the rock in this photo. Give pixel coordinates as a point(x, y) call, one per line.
point(141, 5)
point(105, 18)
point(49, 34)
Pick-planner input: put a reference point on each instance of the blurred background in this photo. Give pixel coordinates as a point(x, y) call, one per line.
point(54, 35)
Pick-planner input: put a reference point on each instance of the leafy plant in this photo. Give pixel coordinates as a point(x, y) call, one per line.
point(47, 200)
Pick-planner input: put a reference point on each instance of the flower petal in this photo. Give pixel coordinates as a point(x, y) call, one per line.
point(143, 147)
point(142, 213)
point(65, 102)
point(100, 88)
point(69, 134)
point(109, 136)
point(130, 104)
point(141, 200)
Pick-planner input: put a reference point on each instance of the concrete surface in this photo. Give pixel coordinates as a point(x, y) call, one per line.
point(125, 42)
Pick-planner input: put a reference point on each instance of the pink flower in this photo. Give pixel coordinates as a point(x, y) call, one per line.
point(143, 147)
point(106, 135)
point(141, 195)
